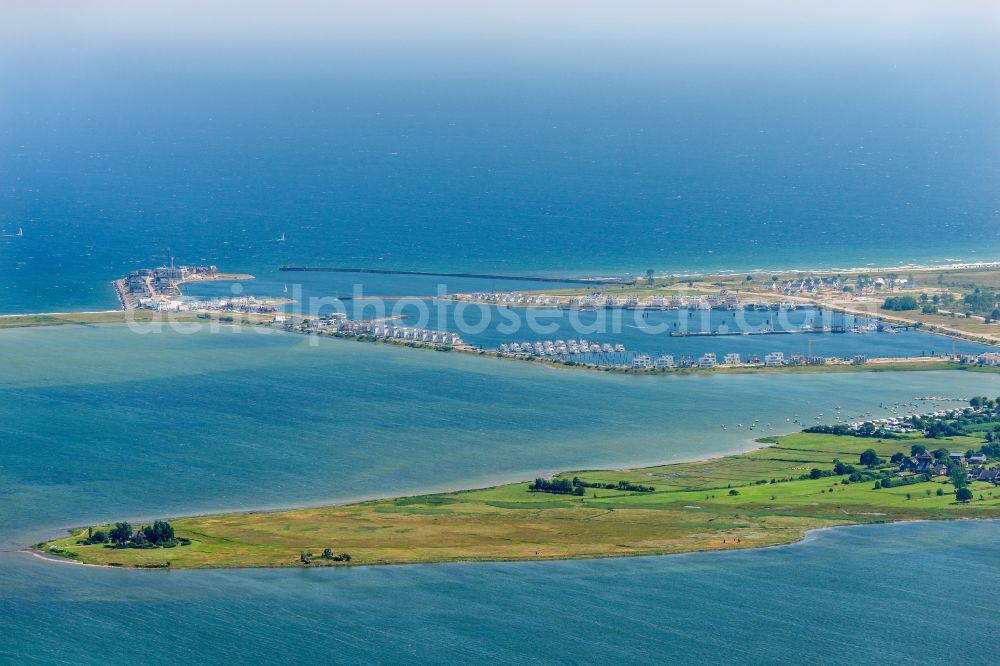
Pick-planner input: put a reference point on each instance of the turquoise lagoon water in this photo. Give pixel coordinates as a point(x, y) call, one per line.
point(248, 418)
point(241, 419)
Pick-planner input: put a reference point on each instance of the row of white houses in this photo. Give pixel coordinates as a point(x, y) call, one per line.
point(724, 300)
point(559, 347)
point(710, 360)
point(382, 329)
point(408, 333)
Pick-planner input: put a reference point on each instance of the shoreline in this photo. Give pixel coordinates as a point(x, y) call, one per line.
point(146, 317)
point(127, 300)
point(868, 309)
point(952, 265)
point(59, 559)
point(808, 535)
point(676, 515)
point(916, 268)
point(618, 276)
point(874, 364)
point(485, 481)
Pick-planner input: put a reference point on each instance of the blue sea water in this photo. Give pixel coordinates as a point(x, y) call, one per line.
point(616, 160)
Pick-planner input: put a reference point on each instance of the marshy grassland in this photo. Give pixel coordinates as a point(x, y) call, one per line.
point(749, 500)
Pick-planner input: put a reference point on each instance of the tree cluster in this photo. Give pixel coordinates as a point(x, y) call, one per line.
point(577, 486)
point(158, 535)
point(556, 486)
point(895, 482)
point(983, 301)
point(900, 303)
point(621, 485)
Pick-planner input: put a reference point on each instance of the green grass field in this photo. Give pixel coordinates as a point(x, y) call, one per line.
point(691, 510)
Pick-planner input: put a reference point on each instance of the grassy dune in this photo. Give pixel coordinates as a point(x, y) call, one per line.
point(691, 510)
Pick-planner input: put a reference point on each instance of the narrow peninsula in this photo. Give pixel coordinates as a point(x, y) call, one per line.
point(936, 466)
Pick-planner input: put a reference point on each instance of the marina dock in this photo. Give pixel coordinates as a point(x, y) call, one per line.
point(699, 334)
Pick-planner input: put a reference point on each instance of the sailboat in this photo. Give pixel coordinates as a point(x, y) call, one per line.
point(20, 232)
point(282, 238)
point(286, 288)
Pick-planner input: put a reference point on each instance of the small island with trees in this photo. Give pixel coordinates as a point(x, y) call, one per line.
point(158, 535)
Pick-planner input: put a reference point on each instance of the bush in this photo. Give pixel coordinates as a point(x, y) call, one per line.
point(905, 481)
point(734, 492)
point(328, 555)
point(840, 468)
point(96, 537)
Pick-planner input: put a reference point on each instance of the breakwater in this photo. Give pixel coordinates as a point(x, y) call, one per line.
point(485, 276)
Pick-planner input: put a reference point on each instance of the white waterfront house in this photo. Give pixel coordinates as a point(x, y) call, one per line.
point(664, 362)
point(642, 362)
point(774, 359)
